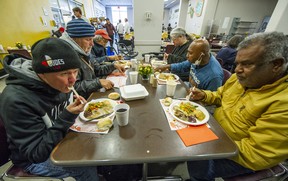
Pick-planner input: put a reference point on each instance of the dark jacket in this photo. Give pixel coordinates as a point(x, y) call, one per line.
point(228, 55)
point(87, 79)
point(179, 53)
point(33, 113)
point(99, 53)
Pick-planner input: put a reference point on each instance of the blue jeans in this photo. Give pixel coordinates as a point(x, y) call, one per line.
point(205, 170)
point(48, 169)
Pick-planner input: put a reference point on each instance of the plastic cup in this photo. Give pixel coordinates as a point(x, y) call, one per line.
point(133, 77)
point(133, 63)
point(122, 114)
point(147, 58)
point(171, 87)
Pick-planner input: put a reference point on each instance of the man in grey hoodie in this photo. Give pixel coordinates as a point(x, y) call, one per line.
point(79, 34)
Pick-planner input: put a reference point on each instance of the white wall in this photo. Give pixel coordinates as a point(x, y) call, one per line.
point(148, 32)
point(215, 11)
point(278, 21)
point(173, 16)
point(247, 10)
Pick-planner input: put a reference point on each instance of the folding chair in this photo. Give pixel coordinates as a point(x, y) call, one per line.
point(22, 52)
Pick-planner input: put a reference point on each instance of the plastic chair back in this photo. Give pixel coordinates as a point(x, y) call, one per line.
point(22, 52)
point(227, 75)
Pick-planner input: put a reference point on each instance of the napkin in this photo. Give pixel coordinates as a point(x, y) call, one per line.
point(196, 134)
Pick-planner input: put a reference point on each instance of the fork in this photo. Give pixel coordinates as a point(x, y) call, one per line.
point(189, 96)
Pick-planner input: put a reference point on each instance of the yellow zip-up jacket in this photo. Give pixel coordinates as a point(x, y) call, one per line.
point(256, 119)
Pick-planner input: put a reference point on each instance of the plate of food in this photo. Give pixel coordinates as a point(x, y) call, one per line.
point(188, 112)
point(167, 76)
point(98, 109)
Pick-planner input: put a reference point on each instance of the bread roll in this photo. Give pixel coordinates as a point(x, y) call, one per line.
point(104, 124)
point(167, 101)
point(114, 95)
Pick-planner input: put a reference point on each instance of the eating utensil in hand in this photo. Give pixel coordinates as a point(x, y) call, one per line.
point(191, 93)
point(76, 93)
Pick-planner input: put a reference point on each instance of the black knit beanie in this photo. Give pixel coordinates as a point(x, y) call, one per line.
point(53, 55)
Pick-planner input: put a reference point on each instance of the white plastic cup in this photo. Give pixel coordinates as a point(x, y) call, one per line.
point(170, 87)
point(122, 114)
point(147, 58)
point(133, 77)
point(133, 63)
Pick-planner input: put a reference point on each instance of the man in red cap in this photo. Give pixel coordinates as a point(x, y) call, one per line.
point(99, 49)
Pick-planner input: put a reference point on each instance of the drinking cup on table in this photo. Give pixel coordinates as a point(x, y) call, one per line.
point(133, 63)
point(147, 58)
point(122, 114)
point(171, 87)
point(133, 77)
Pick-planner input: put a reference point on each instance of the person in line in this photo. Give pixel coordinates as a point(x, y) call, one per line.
point(37, 109)
point(120, 30)
point(228, 53)
point(251, 108)
point(126, 27)
point(79, 34)
point(99, 49)
point(205, 71)
point(78, 14)
point(110, 30)
point(169, 29)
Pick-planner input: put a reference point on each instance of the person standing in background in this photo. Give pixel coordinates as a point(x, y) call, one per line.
point(126, 27)
point(78, 14)
point(110, 30)
point(120, 30)
point(169, 29)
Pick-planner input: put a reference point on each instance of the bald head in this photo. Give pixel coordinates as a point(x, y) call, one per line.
point(201, 45)
point(199, 50)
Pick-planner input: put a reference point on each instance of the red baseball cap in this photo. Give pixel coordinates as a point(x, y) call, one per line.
point(103, 33)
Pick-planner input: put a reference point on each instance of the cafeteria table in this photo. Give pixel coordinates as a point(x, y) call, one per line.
point(146, 139)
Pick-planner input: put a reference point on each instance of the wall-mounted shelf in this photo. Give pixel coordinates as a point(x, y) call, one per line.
point(239, 27)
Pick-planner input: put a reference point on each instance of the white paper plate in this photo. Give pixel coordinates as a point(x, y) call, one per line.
point(139, 92)
point(198, 122)
point(113, 103)
point(176, 77)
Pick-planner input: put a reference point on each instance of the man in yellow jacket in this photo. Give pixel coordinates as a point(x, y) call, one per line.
point(251, 108)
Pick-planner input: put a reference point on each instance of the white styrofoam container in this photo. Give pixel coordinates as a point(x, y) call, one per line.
point(133, 92)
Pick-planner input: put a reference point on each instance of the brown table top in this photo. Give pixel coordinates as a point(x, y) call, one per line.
point(146, 139)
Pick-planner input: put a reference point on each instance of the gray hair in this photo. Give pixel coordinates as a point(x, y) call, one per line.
point(234, 41)
point(98, 38)
point(177, 32)
point(275, 45)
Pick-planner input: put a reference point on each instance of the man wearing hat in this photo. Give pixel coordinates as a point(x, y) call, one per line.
point(99, 49)
point(37, 110)
point(79, 34)
point(110, 30)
